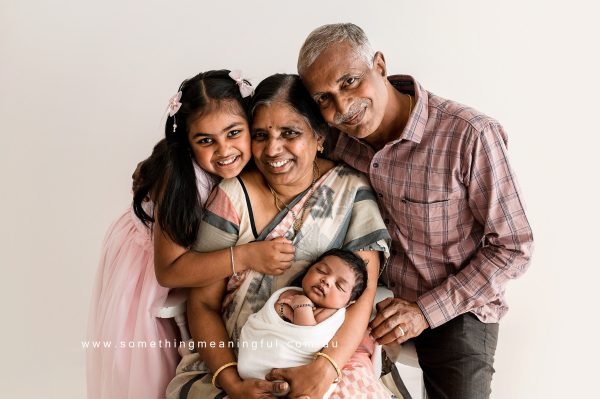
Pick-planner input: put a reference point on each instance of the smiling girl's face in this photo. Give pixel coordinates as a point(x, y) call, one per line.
point(220, 140)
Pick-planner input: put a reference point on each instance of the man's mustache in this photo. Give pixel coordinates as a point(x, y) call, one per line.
point(354, 109)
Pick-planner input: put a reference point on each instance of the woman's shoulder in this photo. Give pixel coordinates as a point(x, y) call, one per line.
point(231, 187)
point(345, 175)
point(251, 178)
point(230, 183)
point(325, 165)
point(228, 194)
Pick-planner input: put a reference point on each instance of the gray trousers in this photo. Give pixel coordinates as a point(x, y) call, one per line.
point(457, 358)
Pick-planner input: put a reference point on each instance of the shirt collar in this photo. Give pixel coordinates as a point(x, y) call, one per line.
point(413, 131)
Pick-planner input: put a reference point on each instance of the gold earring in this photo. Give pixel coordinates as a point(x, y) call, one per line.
point(320, 148)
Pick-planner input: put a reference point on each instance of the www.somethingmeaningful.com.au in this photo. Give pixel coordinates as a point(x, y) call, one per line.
point(191, 345)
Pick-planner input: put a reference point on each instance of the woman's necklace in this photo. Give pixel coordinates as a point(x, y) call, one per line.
point(279, 203)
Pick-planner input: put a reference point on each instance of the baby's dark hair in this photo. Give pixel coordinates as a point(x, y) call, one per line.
point(169, 176)
point(356, 264)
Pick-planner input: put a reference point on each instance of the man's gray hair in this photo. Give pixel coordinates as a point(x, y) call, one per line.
point(324, 36)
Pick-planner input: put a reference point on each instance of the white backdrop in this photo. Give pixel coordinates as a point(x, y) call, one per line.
point(83, 88)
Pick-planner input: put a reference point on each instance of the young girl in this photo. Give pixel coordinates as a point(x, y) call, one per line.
point(207, 138)
point(296, 323)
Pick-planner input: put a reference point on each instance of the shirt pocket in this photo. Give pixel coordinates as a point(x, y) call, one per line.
point(432, 224)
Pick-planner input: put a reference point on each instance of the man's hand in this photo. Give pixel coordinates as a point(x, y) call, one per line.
point(397, 321)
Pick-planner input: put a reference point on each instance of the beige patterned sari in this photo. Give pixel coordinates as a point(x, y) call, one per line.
point(343, 214)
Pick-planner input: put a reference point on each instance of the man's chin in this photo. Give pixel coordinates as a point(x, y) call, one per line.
point(359, 132)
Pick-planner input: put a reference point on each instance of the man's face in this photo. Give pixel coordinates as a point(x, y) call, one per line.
point(352, 95)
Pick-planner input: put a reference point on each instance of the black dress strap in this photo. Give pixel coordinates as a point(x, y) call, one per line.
point(249, 205)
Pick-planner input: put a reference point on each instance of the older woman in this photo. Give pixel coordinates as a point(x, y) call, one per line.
point(311, 201)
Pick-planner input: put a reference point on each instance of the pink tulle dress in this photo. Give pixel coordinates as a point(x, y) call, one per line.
point(137, 353)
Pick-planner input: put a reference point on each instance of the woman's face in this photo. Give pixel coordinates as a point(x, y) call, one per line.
point(284, 145)
point(329, 283)
point(220, 140)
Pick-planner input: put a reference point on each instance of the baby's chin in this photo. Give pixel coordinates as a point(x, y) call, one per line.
point(316, 301)
point(320, 304)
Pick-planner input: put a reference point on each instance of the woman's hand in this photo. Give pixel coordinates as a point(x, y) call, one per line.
point(311, 380)
point(252, 388)
point(267, 257)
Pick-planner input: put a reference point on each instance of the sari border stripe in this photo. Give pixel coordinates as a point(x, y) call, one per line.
point(368, 240)
point(221, 223)
point(185, 390)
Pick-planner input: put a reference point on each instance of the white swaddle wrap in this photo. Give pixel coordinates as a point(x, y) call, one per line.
point(267, 341)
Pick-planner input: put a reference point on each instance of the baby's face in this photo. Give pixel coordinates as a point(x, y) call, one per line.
point(329, 283)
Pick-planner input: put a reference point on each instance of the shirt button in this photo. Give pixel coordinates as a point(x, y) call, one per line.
point(392, 284)
point(380, 195)
point(386, 221)
point(375, 165)
point(288, 235)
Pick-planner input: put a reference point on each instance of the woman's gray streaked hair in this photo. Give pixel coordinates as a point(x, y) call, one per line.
point(289, 90)
point(324, 36)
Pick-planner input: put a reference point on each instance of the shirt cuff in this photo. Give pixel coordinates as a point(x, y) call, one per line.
point(437, 309)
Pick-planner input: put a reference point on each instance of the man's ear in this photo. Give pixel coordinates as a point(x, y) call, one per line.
point(379, 64)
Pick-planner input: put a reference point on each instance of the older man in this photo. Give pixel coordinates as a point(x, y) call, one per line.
point(448, 196)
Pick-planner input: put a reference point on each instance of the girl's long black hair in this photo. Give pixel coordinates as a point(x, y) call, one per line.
point(167, 177)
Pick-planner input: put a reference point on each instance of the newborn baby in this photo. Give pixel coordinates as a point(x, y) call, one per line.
point(295, 323)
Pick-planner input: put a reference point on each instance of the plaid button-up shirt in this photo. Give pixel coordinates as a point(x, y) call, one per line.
point(452, 205)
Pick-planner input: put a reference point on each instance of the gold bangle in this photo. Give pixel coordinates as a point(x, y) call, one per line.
point(333, 363)
point(216, 374)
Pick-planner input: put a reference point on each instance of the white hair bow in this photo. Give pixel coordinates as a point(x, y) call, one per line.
point(174, 104)
point(245, 89)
